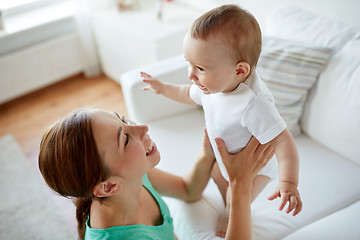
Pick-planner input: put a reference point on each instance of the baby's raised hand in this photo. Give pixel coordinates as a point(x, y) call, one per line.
point(288, 192)
point(155, 85)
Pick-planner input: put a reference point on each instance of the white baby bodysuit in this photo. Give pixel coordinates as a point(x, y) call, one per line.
point(247, 111)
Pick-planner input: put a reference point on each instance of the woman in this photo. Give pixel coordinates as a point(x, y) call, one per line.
point(107, 164)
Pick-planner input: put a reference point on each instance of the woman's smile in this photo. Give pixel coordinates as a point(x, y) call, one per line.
point(151, 149)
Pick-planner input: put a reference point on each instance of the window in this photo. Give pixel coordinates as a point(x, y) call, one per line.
point(18, 15)
point(7, 4)
point(27, 22)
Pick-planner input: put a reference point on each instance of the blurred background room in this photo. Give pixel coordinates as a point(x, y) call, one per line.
point(58, 55)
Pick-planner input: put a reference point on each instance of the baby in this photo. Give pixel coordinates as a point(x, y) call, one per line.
point(222, 48)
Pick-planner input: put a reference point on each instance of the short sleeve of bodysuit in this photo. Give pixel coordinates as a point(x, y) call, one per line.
point(262, 119)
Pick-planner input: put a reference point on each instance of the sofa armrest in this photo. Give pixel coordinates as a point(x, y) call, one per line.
point(145, 106)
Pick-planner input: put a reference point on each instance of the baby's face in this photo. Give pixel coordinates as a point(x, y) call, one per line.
point(211, 67)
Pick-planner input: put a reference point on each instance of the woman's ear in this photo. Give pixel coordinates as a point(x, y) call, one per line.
point(242, 69)
point(106, 188)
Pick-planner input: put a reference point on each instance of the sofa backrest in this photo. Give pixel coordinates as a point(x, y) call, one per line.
point(332, 111)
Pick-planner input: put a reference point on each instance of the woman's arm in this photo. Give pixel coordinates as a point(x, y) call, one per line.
point(242, 168)
point(189, 187)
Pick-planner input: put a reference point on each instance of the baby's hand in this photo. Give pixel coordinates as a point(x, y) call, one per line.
point(155, 85)
point(288, 192)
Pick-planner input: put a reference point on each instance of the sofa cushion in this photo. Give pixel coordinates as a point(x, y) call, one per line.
point(325, 179)
point(343, 224)
point(290, 69)
point(294, 23)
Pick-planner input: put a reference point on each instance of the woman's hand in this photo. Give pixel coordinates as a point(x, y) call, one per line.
point(247, 163)
point(242, 167)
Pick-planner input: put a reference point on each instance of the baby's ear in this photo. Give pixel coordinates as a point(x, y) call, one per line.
point(106, 188)
point(242, 69)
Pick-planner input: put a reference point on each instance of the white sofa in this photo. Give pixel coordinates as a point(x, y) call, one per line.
point(328, 145)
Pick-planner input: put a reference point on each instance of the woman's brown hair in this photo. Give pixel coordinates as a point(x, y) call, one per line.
point(70, 163)
point(235, 26)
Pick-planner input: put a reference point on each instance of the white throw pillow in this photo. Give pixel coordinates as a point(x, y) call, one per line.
point(296, 24)
point(290, 69)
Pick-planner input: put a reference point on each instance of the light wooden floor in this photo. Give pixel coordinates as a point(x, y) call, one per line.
point(27, 117)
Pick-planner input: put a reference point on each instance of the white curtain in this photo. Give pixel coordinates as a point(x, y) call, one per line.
point(91, 62)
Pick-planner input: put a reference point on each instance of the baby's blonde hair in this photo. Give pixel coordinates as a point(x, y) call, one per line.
point(236, 26)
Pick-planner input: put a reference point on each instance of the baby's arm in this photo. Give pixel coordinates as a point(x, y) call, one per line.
point(286, 153)
point(176, 92)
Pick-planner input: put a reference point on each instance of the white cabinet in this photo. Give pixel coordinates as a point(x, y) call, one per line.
point(134, 38)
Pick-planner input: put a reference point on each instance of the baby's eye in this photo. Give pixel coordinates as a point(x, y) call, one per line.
point(200, 68)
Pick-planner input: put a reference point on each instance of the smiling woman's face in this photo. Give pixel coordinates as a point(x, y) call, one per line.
point(125, 148)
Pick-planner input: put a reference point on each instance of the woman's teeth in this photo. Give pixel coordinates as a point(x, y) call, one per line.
point(150, 148)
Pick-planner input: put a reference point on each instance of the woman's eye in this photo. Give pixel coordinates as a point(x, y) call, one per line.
point(124, 120)
point(127, 139)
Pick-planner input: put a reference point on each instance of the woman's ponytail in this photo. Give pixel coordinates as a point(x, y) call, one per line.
point(82, 213)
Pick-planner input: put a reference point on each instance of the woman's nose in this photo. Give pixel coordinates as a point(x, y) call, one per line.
point(140, 130)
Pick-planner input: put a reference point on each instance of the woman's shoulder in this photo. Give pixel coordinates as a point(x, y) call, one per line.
point(162, 205)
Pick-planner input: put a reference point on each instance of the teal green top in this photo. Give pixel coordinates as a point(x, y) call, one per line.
point(129, 232)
